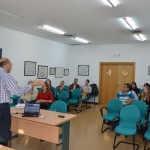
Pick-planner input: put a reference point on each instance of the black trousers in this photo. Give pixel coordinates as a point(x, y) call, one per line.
point(5, 123)
point(44, 105)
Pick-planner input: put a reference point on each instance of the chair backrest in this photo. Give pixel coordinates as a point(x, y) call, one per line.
point(66, 87)
point(63, 95)
point(141, 106)
point(39, 89)
point(76, 93)
point(140, 90)
point(129, 115)
point(114, 106)
point(59, 106)
point(94, 88)
point(54, 92)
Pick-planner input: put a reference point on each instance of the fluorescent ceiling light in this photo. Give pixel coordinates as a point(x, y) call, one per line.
point(111, 3)
point(80, 40)
point(129, 23)
point(10, 14)
point(52, 29)
point(140, 37)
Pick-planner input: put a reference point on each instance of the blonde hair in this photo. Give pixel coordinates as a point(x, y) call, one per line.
point(146, 96)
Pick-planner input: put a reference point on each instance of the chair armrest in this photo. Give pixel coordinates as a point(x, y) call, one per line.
point(101, 110)
point(116, 119)
point(138, 124)
point(147, 115)
point(145, 125)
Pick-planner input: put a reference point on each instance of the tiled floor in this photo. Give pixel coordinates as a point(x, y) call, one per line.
point(84, 135)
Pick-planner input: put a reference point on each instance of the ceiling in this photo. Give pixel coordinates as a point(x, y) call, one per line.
point(88, 19)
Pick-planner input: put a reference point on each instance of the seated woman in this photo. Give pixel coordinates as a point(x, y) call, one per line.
point(30, 96)
point(50, 87)
point(45, 97)
point(146, 95)
point(135, 89)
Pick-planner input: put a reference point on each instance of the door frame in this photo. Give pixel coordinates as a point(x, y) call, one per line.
point(112, 63)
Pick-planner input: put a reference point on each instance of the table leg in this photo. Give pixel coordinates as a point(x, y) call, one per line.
point(65, 135)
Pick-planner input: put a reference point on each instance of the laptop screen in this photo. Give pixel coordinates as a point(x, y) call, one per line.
point(32, 108)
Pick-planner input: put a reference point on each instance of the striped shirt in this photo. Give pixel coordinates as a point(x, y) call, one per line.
point(9, 86)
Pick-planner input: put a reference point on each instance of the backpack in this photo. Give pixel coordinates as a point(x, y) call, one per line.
point(94, 89)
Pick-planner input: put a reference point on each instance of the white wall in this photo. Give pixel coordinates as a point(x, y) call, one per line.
point(20, 47)
point(93, 55)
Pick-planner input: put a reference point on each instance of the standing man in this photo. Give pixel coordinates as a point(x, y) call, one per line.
point(9, 86)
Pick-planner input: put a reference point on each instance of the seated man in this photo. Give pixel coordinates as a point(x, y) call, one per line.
point(125, 95)
point(74, 85)
point(86, 89)
point(61, 87)
point(30, 96)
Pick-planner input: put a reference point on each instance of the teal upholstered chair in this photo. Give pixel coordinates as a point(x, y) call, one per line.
point(143, 110)
point(39, 89)
point(147, 134)
point(140, 90)
point(59, 106)
point(64, 95)
point(76, 97)
point(95, 92)
point(54, 92)
point(128, 124)
point(113, 110)
point(14, 100)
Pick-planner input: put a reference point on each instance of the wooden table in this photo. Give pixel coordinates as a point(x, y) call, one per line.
point(5, 148)
point(52, 128)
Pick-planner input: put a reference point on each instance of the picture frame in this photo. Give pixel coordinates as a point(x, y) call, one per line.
point(0, 52)
point(29, 68)
point(51, 71)
point(66, 72)
point(83, 70)
point(42, 72)
point(148, 70)
point(59, 72)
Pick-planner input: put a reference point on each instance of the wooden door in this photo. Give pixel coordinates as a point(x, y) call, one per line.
point(112, 77)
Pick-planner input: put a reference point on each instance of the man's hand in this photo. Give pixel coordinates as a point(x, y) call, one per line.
point(37, 82)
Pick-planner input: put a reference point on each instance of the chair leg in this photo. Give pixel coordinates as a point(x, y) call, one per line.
point(145, 144)
point(114, 145)
point(102, 127)
point(133, 144)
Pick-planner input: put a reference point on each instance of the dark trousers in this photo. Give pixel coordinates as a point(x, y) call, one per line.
point(44, 105)
point(5, 124)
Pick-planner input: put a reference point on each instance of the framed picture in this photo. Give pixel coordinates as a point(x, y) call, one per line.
point(42, 72)
point(51, 71)
point(59, 72)
point(83, 70)
point(0, 52)
point(148, 70)
point(66, 72)
point(29, 68)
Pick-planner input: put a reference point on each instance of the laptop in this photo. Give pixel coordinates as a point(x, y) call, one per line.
point(31, 110)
